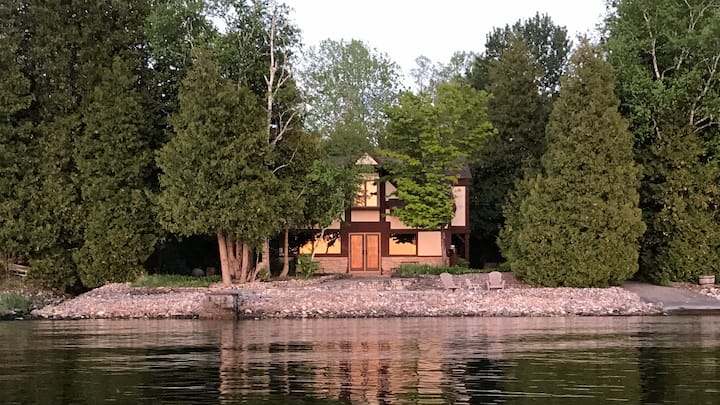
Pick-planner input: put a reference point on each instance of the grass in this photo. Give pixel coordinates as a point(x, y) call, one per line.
point(174, 280)
point(10, 302)
point(412, 269)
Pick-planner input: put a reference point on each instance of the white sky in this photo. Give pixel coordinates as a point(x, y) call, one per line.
point(406, 29)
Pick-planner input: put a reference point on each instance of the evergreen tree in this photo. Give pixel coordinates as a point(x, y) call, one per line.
point(215, 179)
point(579, 222)
point(519, 114)
point(16, 154)
point(114, 164)
point(681, 196)
point(548, 44)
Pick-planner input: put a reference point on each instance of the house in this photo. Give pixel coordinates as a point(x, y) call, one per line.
point(370, 241)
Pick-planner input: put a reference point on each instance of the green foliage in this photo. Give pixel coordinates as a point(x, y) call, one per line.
point(13, 303)
point(329, 189)
point(682, 196)
point(415, 269)
point(215, 176)
point(348, 85)
point(55, 269)
point(519, 113)
point(306, 267)
point(578, 222)
point(114, 161)
point(666, 56)
point(429, 139)
point(548, 44)
point(174, 280)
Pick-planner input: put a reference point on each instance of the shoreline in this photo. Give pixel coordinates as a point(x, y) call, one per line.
point(330, 297)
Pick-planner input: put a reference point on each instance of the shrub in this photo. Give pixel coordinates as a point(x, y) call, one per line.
point(174, 280)
point(56, 270)
point(306, 266)
point(13, 303)
point(413, 269)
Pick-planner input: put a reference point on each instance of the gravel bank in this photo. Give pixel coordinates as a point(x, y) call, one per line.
point(332, 298)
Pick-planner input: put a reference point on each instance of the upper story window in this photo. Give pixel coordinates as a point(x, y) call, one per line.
point(367, 195)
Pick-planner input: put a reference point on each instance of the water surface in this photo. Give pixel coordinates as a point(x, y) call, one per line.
point(418, 360)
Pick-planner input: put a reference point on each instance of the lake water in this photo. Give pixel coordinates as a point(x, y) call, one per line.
point(419, 360)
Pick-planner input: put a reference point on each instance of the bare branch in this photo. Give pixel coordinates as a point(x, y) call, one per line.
point(712, 70)
point(653, 52)
point(289, 161)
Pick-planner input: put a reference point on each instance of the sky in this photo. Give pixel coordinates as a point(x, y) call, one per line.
point(406, 29)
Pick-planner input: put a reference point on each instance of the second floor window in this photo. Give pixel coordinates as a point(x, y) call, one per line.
point(367, 194)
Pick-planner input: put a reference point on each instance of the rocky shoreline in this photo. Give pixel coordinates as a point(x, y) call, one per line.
point(330, 297)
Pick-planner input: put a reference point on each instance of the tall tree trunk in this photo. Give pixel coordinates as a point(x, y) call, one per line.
point(224, 263)
point(286, 256)
point(245, 266)
point(322, 236)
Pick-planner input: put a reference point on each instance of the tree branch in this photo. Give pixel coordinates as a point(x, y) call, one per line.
point(653, 52)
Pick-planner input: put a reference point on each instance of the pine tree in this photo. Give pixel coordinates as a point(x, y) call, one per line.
point(579, 222)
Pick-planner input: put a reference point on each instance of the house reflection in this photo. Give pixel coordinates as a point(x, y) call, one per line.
point(351, 361)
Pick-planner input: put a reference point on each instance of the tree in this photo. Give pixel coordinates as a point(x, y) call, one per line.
point(215, 179)
point(329, 190)
point(429, 139)
point(16, 153)
point(579, 222)
point(115, 164)
point(257, 52)
point(429, 75)
point(667, 55)
point(519, 114)
point(548, 44)
point(348, 85)
point(681, 195)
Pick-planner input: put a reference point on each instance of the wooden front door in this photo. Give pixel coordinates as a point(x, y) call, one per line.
point(365, 252)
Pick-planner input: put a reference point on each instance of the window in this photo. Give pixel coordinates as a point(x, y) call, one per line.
point(328, 245)
point(367, 195)
point(403, 244)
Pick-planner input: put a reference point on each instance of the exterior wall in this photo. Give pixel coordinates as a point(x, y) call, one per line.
point(332, 264)
point(460, 207)
point(429, 243)
point(395, 223)
point(365, 215)
point(391, 263)
point(389, 190)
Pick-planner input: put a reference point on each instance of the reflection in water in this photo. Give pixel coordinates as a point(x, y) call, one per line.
point(419, 360)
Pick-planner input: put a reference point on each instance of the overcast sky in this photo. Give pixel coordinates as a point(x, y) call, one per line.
point(406, 29)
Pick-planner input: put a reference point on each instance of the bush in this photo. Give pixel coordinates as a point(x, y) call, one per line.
point(174, 280)
point(13, 303)
point(55, 269)
point(306, 266)
point(413, 269)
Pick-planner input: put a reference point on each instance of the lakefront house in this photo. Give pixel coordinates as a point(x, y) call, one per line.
point(369, 240)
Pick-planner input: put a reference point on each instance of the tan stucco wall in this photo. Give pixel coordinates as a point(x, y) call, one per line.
point(460, 208)
point(395, 223)
point(365, 216)
point(429, 243)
